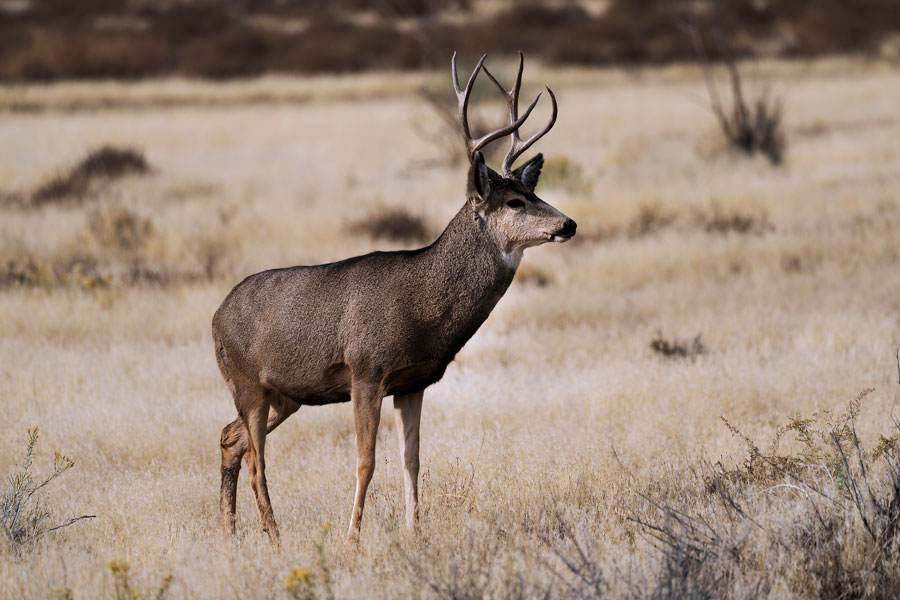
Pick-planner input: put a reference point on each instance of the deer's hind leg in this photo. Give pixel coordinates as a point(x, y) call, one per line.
point(234, 444)
point(256, 415)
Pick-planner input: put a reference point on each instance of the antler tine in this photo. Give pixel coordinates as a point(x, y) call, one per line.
point(516, 145)
point(462, 97)
point(512, 96)
point(512, 102)
point(502, 132)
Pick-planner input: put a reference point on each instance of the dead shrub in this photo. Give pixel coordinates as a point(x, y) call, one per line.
point(59, 186)
point(142, 273)
point(703, 554)
point(112, 162)
point(698, 556)
point(23, 518)
point(848, 499)
point(104, 163)
point(699, 559)
point(76, 272)
point(750, 127)
point(118, 228)
point(673, 348)
point(823, 438)
point(718, 221)
point(395, 225)
point(819, 519)
point(28, 274)
point(651, 218)
point(582, 575)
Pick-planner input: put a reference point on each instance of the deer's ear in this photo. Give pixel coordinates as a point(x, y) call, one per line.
point(529, 172)
point(479, 180)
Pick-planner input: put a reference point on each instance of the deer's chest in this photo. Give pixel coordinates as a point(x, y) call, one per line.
point(415, 377)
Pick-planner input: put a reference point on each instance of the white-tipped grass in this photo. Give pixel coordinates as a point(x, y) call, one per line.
point(554, 419)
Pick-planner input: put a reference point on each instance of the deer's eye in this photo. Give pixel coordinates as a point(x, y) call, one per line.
point(515, 203)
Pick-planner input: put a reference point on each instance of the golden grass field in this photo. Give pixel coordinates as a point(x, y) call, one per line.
point(555, 423)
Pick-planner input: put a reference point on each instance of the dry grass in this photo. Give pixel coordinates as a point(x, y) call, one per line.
point(556, 431)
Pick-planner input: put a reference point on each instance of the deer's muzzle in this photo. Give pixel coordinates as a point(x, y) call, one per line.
point(564, 234)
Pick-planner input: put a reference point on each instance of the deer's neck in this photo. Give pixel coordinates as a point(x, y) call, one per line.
point(466, 274)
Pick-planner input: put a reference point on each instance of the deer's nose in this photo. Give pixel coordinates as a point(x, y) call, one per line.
point(568, 229)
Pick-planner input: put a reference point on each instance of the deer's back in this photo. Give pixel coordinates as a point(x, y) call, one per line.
point(300, 330)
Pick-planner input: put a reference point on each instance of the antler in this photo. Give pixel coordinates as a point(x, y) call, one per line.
point(516, 145)
point(462, 98)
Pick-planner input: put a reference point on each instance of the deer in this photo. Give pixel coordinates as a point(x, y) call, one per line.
point(382, 324)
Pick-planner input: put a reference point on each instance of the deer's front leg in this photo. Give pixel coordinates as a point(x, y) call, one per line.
point(407, 414)
point(366, 399)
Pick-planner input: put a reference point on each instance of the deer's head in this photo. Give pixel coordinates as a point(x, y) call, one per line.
point(506, 201)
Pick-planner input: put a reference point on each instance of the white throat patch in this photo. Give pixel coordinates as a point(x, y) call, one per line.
point(512, 258)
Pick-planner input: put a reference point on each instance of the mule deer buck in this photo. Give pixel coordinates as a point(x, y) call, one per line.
point(383, 324)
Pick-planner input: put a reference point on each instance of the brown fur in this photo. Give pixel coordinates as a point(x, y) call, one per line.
point(383, 324)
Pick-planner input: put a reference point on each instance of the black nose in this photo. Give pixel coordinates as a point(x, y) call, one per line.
point(568, 229)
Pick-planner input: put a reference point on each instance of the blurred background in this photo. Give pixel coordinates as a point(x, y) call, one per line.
point(46, 40)
point(733, 167)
